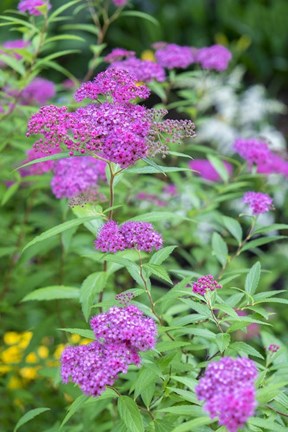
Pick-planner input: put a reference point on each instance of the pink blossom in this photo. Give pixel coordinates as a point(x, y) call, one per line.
point(120, 3)
point(254, 151)
point(39, 91)
point(273, 348)
point(215, 57)
point(32, 6)
point(204, 284)
point(119, 54)
point(142, 70)
point(206, 170)
point(228, 391)
point(258, 202)
point(172, 56)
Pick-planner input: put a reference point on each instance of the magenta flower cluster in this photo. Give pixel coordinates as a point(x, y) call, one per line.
point(32, 6)
point(142, 70)
point(215, 57)
point(119, 131)
point(140, 235)
point(258, 202)
point(39, 91)
point(40, 167)
point(206, 170)
point(228, 391)
point(120, 3)
point(256, 152)
point(204, 284)
point(273, 348)
point(73, 176)
point(172, 56)
point(121, 333)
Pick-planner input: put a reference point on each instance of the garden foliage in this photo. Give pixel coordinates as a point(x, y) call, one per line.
point(144, 255)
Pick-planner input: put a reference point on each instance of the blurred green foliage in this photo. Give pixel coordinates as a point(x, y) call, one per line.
point(257, 30)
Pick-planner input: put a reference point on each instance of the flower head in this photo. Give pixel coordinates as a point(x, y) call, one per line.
point(273, 348)
point(228, 391)
point(173, 56)
point(119, 3)
point(254, 151)
point(32, 6)
point(140, 235)
point(115, 83)
point(94, 366)
point(258, 202)
point(40, 167)
point(215, 57)
point(119, 54)
point(204, 284)
point(75, 175)
point(142, 70)
point(127, 325)
point(39, 91)
point(206, 170)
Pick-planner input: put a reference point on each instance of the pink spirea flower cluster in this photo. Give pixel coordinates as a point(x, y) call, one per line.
point(204, 284)
point(118, 54)
point(273, 348)
point(73, 176)
point(121, 132)
point(258, 202)
point(39, 91)
point(256, 152)
point(140, 235)
point(121, 333)
point(119, 84)
point(124, 298)
point(142, 70)
point(172, 56)
point(32, 6)
point(206, 170)
point(228, 390)
point(120, 3)
point(215, 57)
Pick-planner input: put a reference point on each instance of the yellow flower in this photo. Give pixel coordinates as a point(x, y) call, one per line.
point(74, 338)
point(25, 339)
point(43, 352)
point(148, 55)
point(58, 351)
point(11, 338)
point(11, 355)
point(4, 369)
point(85, 341)
point(31, 358)
point(14, 383)
point(29, 373)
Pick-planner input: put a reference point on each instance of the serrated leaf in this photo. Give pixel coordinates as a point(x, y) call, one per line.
point(53, 293)
point(252, 278)
point(13, 63)
point(85, 333)
point(29, 416)
point(247, 349)
point(219, 167)
point(220, 249)
point(142, 15)
point(57, 230)
point(160, 256)
point(267, 425)
point(74, 407)
point(262, 241)
point(92, 285)
point(234, 227)
point(170, 345)
point(192, 425)
point(158, 271)
point(222, 341)
point(130, 415)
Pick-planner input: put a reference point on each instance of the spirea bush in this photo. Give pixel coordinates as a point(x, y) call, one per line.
point(144, 285)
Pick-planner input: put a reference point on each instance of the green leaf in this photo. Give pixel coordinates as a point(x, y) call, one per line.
point(159, 271)
point(129, 413)
point(267, 425)
point(220, 249)
point(191, 425)
point(57, 156)
point(29, 416)
point(64, 37)
point(85, 333)
point(245, 348)
point(223, 341)
point(187, 410)
point(160, 256)
point(219, 167)
point(92, 285)
point(273, 227)
point(57, 230)
point(155, 216)
point(9, 193)
point(74, 407)
point(13, 63)
point(171, 345)
point(234, 227)
point(61, 9)
point(252, 278)
point(259, 242)
point(52, 293)
point(153, 170)
point(142, 15)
